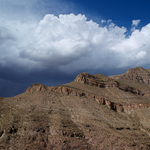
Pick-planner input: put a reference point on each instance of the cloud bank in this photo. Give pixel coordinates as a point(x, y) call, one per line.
point(70, 42)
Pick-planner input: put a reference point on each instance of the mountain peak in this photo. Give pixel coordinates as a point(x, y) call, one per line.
point(137, 70)
point(138, 74)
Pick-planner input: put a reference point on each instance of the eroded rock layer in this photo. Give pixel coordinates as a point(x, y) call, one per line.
point(97, 80)
point(137, 74)
point(101, 100)
point(100, 81)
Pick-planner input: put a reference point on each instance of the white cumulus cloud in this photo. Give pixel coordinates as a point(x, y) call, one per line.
point(71, 42)
point(135, 22)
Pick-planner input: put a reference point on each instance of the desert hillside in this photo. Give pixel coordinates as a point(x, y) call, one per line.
point(93, 112)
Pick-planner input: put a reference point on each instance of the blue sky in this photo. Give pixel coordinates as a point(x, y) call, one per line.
point(51, 41)
point(121, 12)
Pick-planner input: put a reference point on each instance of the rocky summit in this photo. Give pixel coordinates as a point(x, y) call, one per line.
point(94, 112)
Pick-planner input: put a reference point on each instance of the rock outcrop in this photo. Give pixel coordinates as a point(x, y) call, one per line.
point(102, 81)
point(100, 100)
point(137, 74)
point(130, 89)
point(97, 80)
point(36, 87)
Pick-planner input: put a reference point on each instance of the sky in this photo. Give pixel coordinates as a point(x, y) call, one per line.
point(52, 41)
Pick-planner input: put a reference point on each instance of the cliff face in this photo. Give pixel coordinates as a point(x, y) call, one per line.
point(102, 82)
point(137, 74)
point(102, 100)
point(94, 112)
point(99, 81)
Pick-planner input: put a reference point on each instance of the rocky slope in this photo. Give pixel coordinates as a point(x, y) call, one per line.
point(137, 74)
point(94, 112)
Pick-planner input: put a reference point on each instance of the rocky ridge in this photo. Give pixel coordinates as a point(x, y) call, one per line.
point(99, 81)
point(86, 114)
point(137, 74)
point(101, 100)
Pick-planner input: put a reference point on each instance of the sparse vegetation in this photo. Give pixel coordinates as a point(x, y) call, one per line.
point(51, 118)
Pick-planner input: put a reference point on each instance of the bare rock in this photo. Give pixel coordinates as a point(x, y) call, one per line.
point(137, 74)
point(96, 80)
point(36, 87)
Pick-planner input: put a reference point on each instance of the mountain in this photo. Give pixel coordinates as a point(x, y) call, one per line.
point(137, 74)
point(94, 112)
